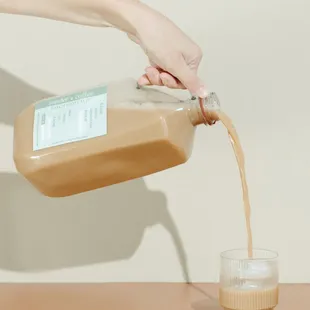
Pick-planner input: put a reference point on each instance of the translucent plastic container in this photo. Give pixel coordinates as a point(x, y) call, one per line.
point(106, 135)
point(249, 283)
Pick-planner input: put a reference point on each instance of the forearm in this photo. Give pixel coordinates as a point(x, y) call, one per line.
point(121, 14)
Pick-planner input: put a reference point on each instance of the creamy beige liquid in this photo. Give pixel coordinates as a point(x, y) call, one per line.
point(230, 298)
point(266, 299)
point(241, 164)
point(148, 131)
point(136, 149)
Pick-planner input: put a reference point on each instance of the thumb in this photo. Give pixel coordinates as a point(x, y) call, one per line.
point(189, 78)
point(133, 38)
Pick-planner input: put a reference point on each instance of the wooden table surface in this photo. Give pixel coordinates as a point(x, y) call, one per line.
point(131, 296)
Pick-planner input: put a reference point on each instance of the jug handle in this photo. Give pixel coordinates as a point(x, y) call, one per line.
point(192, 97)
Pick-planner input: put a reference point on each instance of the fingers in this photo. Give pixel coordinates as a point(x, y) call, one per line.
point(144, 81)
point(170, 81)
point(156, 76)
point(153, 75)
point(190, 79)
point(183, 78)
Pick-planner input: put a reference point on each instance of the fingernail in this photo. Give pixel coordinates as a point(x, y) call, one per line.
point(164, 80)
point(143, 80)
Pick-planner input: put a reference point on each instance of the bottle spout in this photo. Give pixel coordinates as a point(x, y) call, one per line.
point(212, 102)
point(209, 107)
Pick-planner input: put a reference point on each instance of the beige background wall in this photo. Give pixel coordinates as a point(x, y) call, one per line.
point(175, 222)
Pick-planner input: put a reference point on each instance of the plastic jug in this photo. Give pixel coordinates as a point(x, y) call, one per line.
point(90, 139)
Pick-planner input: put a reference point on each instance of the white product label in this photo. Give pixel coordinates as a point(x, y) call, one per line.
point(70, 118)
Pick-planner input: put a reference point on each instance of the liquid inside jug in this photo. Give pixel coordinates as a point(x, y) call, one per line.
point(113, 133)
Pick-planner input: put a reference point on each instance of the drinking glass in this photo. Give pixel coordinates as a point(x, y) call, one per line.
point(249, 283)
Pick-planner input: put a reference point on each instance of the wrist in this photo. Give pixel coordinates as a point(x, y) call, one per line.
point(127, 15)
point(121, 14)
point(7, 6)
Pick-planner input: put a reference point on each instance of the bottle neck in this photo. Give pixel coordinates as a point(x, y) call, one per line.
point(204, 110)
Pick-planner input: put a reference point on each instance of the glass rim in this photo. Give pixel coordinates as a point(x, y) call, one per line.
point(226, 255)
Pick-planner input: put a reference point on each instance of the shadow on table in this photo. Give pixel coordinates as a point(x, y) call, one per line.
point(207, 304)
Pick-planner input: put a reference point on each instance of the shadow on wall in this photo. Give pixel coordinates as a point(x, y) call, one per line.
point(15, 95)
point(38, 233)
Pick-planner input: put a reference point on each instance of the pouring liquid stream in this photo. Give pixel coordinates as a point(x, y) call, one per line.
point(236, 145)
point(238, 151)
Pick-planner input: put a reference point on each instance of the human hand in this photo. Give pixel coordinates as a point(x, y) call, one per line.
point(173, 56)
